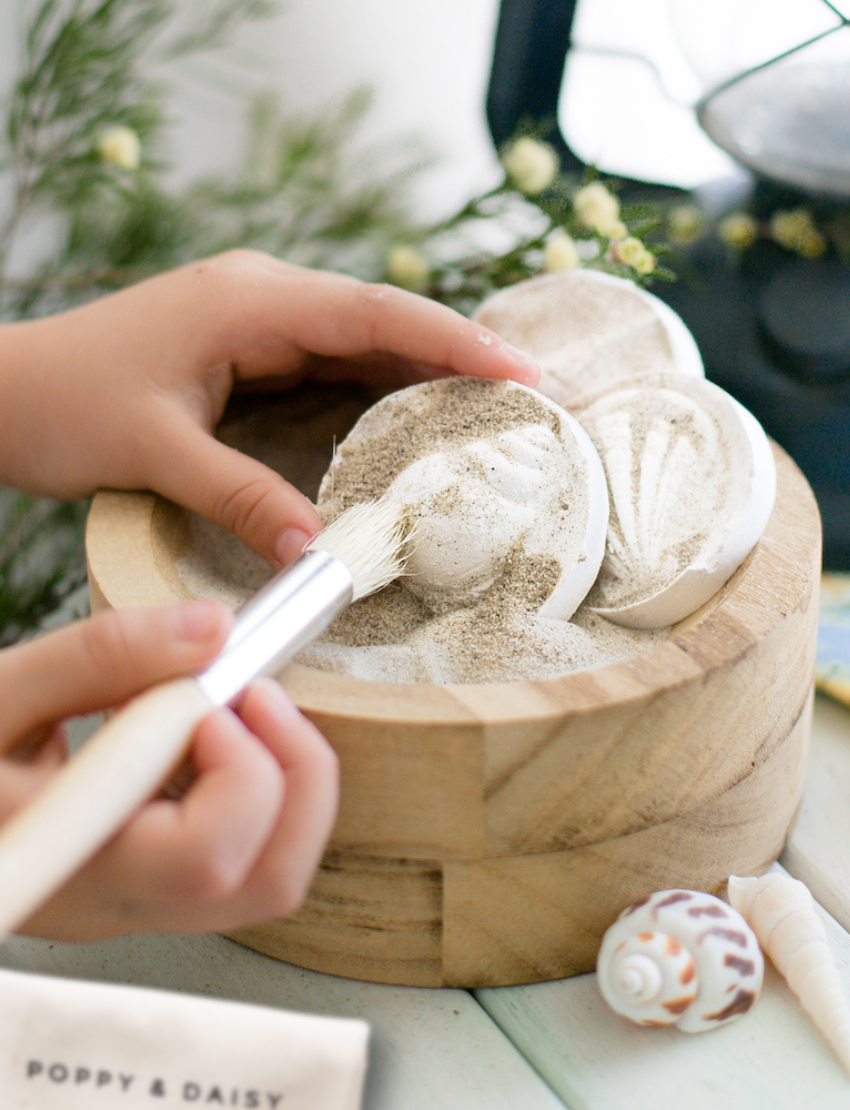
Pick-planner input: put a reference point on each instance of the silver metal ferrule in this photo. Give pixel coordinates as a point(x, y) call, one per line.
point(284, 616)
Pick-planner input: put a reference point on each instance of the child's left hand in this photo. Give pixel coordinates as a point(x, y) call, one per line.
point(125, 392)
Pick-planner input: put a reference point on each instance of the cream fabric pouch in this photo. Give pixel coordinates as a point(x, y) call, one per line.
point(71, 1045)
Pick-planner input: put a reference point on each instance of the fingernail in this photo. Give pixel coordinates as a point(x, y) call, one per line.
point(290, 545)
point(197, 621)
point(529, 370)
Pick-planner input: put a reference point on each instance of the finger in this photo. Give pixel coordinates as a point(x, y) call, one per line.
point(228, 854)
point(100, 662)
point(21, 780)
point(289, 862)
point(237, 492)
point(199, 850)
point(334, 316)
point(41, 746)
point(179, 865)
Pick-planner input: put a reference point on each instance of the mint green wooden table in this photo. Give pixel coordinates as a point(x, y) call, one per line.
point(550, 1045)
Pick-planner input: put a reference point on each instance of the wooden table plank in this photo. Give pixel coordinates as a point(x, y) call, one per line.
point(430, 1050)
point(817, 850)
point(596, 1060)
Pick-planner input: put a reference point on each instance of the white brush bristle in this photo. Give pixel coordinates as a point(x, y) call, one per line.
point(372, 539)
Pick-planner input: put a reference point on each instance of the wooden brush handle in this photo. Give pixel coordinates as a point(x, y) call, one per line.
point(91, 798)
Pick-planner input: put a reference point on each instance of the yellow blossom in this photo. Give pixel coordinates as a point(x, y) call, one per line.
point(738, 229)
point(795, 229)
point(685, 223)
point(560, 253)
point(597, 208)
point(121, 146)
point(531, 166)
point(633, 253)
point(407, 267)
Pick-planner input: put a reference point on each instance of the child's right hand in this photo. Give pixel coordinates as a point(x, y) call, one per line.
point(241, 845)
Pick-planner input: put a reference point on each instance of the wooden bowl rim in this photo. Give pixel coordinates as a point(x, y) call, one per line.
point(122, 526)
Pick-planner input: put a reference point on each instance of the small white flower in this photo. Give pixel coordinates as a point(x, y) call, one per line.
point(560, 253)
point(120, 146)
point(531, 166)
point(633, 253)
point(407, 267)
point(686, 222)
point(597, 208)
point(738, 229)
point(796, 230)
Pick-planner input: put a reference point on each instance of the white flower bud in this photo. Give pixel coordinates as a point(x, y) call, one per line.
point(686, 222)
point(120, 146)
point(738, 229)
point(597, 208)
point(796, 230)
point(407, 267)
point(633, 253)
point(560, 253)
point(531, 166)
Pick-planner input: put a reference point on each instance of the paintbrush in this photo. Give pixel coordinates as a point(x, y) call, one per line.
point(137, 750)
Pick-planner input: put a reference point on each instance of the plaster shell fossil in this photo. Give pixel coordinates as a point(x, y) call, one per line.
point(683, 958)
point(495, 478)
point(588, 330)
point(692, 484)
point(782, 913)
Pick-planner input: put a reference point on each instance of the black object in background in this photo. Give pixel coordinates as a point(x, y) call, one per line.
point(773, 331)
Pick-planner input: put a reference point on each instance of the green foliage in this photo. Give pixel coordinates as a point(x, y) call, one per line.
point(41, 560)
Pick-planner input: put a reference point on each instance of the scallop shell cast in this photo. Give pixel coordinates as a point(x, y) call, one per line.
point(588, 330)
point(683, 958)
point(692, 483)
point(485, 470)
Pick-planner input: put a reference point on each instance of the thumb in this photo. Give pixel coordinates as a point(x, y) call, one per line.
point(237, 492)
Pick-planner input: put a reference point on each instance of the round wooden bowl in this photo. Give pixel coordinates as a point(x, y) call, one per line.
point(489, 834)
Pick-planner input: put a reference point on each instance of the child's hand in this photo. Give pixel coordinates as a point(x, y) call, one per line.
point(242, 844)
point(124, 392)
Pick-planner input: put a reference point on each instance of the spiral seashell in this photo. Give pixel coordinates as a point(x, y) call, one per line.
point(683, 958)
point(782, 913)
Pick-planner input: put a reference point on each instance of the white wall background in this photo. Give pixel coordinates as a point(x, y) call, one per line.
point(429, 61)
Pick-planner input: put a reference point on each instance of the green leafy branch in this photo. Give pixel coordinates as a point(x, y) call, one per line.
point(536, 220)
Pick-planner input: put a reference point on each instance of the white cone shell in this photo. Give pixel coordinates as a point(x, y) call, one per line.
point(588, 330)
point(689, 470)
point(783, 916)
point(677, 926)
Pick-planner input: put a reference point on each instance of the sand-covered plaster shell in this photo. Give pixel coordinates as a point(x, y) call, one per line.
point(692, 483)
point(491, 474)
point(683, 958)
point(782, 913)
point(589, 330)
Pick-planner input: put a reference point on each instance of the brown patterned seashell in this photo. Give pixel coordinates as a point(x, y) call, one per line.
point(783, 916)
point(683, 958)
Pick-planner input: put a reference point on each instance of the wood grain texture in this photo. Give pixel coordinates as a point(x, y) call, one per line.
point(535, 917)
point(507, 798)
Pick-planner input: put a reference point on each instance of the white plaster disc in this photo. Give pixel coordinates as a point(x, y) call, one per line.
point(588, 330)
point(692, 482)
point(506, 490)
